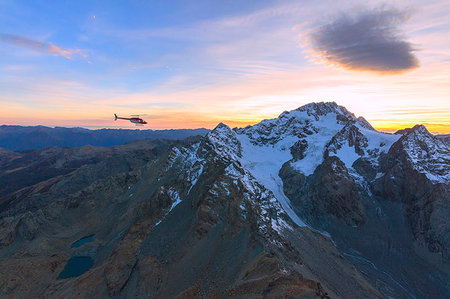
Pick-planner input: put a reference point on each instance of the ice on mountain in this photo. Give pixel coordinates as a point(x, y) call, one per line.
point(175, 197)
point(194, 175)
point(373, 144)
point(264, 163)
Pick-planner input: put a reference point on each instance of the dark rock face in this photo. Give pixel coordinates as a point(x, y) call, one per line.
point(335, 192)
point(205, 247)
point(298, 149)
point(365, 168)
point(350, 135)
point(427, 204)
point(293, 181)
point(328, 191)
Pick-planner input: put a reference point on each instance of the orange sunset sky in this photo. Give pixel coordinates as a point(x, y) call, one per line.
point(190, 64)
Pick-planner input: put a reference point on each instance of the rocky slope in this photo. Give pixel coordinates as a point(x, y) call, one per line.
point(314, 204)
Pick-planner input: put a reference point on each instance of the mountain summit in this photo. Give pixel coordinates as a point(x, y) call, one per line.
point(314, 203)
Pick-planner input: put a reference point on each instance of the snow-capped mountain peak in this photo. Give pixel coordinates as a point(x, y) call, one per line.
point(427, 153)
point(361, 121)
point(304, 137)
point(224, 141)
point(299, 123)
point(323, 108)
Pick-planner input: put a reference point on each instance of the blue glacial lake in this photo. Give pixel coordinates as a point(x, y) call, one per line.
point(76, 266)
point(82, 241)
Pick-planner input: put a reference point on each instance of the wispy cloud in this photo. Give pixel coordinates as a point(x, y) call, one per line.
point(369, 40)
point(221, 47)
point(41, 46)
point(153, 105)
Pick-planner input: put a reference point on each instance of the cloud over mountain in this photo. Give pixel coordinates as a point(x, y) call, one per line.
point(370, 40)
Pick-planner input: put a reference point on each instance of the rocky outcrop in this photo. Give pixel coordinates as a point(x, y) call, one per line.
point(319, 109)
point(366, 168)
point(415, 175)
point(329, 191)
point(298, 149)
point(293, 181)
point(351, 136)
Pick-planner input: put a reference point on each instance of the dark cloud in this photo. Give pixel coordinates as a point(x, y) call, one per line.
point(26, 42)
point(369, 40)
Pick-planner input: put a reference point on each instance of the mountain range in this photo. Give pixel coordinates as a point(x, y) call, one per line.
point(313, 204)
point(36, 137)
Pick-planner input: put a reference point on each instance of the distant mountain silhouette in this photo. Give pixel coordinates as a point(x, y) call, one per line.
point(35, 137)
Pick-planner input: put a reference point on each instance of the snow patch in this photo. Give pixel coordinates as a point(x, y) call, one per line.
point(264, 163)
point(428, 154)
point(326, 128)
point(175, 197)
point(194, 178)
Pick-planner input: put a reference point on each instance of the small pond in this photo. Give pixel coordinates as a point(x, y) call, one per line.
point(76, 266)
point(82, 241)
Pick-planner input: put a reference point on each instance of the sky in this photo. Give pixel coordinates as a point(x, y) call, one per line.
point(191, 64)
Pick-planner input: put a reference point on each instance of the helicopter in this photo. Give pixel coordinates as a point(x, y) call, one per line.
point(134, 119)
